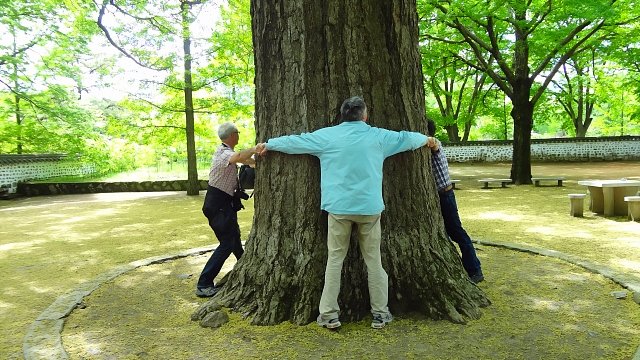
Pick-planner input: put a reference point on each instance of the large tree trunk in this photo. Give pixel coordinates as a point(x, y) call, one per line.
point(310, 56)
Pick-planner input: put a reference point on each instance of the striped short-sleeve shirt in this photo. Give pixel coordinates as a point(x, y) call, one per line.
point(223, 174)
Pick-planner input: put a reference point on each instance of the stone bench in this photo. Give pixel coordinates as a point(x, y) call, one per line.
point(577, 204)
point(634, 207)
point(486, 182)
point(536, 180)
point(453, 183)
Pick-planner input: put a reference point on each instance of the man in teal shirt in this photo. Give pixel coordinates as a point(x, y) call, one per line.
point(351, 192)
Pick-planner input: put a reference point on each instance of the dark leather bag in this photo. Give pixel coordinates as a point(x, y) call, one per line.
point(246, 177)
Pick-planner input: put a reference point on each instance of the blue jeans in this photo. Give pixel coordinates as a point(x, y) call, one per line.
point(229, 237)
point(453, 225)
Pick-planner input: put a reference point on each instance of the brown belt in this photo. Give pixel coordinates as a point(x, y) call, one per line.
point(445, 189)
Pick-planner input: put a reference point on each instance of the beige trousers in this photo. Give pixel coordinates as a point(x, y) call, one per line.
point(338, 237)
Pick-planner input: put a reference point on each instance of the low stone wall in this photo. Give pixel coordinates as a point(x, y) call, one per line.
point(15, 169)
point(32, 189)
point(565, 149)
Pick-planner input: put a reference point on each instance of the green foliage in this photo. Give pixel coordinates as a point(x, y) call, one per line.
point(232, 65)
point(46, 127)
point(532, 39)
point(222, 89)
point(40, 70)
point(618, 110)
point(452, 86)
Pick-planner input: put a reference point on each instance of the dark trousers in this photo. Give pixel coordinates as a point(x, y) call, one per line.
point(218, 206)
point(453, 225)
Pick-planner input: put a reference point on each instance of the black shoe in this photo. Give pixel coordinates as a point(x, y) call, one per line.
point(477, 277)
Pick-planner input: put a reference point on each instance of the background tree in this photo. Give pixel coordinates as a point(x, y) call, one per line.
point(310, 56)
point(454, 87)
point(622, 75)
point(530, 41)
point(146, 26)
point(206, 87)
point(494, 119)
point(231, 64)
point(577, 90)
point(43, 51)
point(617, 110)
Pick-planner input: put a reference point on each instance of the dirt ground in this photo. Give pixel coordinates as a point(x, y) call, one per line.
point(542, 308)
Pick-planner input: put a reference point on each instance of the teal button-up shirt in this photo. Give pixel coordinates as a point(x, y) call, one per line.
point(351, 156)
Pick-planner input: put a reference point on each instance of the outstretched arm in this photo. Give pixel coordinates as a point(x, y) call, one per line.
point(394, 142)
point(305, 143)
point(242, 156)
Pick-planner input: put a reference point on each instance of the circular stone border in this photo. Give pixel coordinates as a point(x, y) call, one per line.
point(43, 339)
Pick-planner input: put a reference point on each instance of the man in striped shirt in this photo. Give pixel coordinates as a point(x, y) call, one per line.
point(218, 205)
point(449, 208)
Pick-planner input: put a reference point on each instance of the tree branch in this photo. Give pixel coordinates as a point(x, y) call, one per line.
point(567, 40)
point(561, 61)
point(158, 126)
point(496, 50)
point(541, 18)
point(20, 50)
point(180, 110)
point(195, 88)
point(104, 29)
point(443, 40)
point(485, 67)
point(35, 106)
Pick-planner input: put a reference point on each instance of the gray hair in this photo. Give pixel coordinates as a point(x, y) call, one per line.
point(353, 109)
point(225, 130)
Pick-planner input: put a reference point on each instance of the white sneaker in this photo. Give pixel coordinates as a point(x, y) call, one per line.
point(329, 324)
point(379, 321)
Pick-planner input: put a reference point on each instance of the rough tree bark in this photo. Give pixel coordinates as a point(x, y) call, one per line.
point(310, 56)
